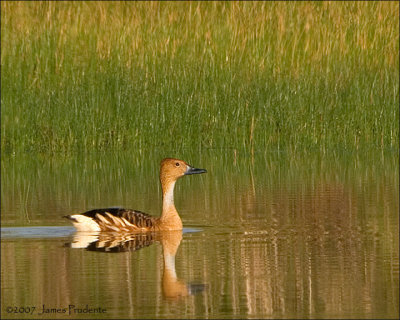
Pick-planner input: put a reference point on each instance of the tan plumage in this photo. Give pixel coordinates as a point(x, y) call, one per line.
point(127, 220)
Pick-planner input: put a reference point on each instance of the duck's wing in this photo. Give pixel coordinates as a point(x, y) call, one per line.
point(113, 219)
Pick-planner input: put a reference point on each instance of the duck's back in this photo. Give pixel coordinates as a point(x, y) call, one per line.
point(113, 219)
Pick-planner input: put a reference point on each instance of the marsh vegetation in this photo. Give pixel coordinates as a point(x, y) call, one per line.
point(250, 75)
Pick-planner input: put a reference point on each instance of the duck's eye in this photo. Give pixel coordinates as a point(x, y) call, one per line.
point(177, 164)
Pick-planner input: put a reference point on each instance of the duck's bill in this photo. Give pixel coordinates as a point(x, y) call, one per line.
point(191, 170)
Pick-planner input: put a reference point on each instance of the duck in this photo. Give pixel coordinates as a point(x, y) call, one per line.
point(128, 220)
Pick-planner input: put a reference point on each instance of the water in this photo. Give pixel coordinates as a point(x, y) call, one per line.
point(265, 236)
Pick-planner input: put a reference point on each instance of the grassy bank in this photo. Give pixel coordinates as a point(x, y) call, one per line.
point(253, 75)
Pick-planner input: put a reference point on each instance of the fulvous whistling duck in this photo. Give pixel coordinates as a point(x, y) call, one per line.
point(127, 220)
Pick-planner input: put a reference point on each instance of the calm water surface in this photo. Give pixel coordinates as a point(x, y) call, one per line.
point(266, 236)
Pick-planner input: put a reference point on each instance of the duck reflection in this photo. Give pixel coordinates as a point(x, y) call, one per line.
point(172, 287)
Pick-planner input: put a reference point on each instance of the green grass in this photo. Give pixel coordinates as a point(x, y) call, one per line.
point(252, 75)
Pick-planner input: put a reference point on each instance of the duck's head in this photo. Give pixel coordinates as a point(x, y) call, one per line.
point(172, 169)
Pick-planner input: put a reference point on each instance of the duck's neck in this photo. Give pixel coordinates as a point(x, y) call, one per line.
point(169, 214)
point(168, 196)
